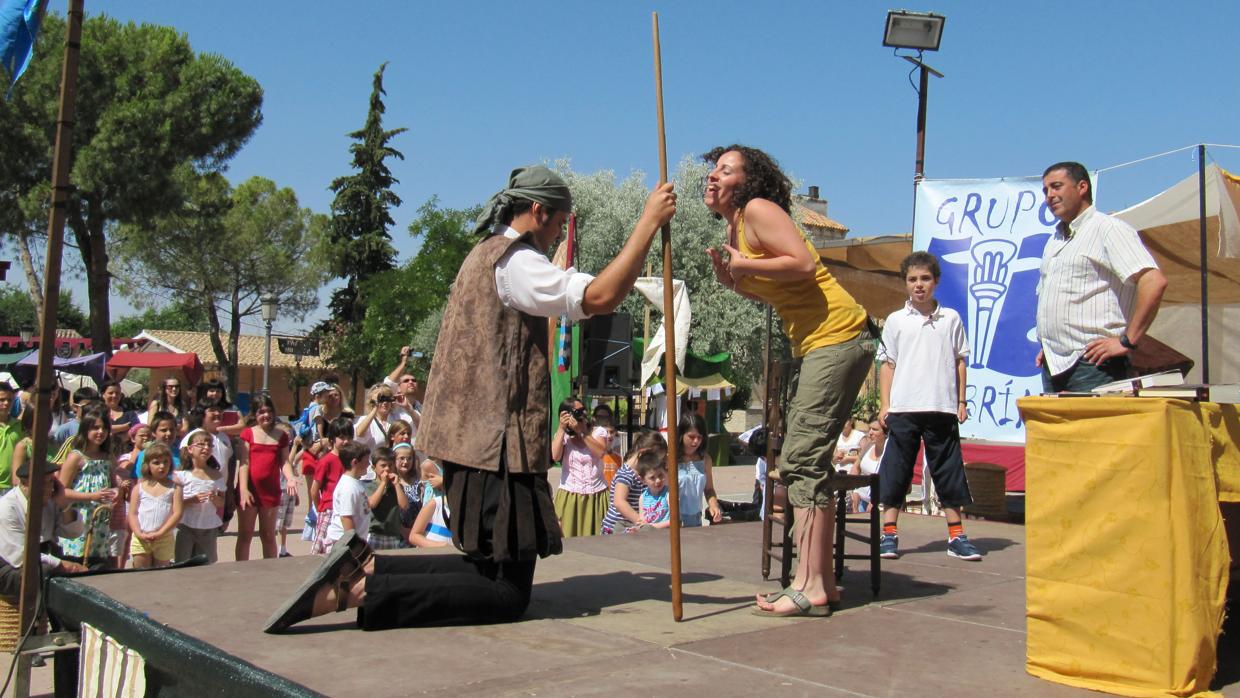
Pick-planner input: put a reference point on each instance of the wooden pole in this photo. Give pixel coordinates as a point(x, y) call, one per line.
point(45, 380)
point(669, 349)
point(645, 400)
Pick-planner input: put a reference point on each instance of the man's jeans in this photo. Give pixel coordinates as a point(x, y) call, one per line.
point(1084, 376)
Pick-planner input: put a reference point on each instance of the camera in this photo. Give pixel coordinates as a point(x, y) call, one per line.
point(579, 415)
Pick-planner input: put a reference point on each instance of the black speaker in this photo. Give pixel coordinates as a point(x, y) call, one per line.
point(607, 353)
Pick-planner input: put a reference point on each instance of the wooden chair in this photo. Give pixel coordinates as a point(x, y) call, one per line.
point(842, 484)
point(780, 514)
point(777, 513)
point(775, 509)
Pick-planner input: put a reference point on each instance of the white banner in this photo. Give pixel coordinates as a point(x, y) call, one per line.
point(988, 235)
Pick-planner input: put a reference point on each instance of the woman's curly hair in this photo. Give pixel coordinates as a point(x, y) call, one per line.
point(763, 178)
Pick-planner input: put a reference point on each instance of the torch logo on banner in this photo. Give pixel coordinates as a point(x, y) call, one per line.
point(988, 287)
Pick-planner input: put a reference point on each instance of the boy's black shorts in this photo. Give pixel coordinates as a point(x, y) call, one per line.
point(941, 432)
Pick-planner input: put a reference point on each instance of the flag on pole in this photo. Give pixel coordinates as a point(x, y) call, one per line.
point(19, 25)
point(566, 337)
point(564, 356)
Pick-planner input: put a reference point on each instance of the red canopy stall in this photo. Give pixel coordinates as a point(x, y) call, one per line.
point(187, 364)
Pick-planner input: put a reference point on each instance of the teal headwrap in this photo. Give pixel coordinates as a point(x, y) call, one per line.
point(532, 183)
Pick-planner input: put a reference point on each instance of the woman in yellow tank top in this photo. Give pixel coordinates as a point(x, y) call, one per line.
point(767, 258)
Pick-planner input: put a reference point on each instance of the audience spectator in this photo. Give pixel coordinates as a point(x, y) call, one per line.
point(331, 407)
point(62, 435)
point(203, 488)
point(400, 433)
point(327, 474)
point(371, 429)
point(849, 446)
point(87, 477)
point(121, 417)
point(868, 464)
point(411, 485)
point(163, 429)
point(387, 500)
point(123, 481)
point(208, 416)
point(581, 500)
point(289, 498)
point(350, 506)
point(264, 465)
point(154, 511)
point(60, 520)
point(405, 387)
point(655, 510)
point(696, 478)
point(627, 487)
point(171, 399)
point(10, 434)
point(430, 528)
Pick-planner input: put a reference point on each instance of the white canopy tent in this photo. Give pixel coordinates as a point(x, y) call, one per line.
point(1170, 226)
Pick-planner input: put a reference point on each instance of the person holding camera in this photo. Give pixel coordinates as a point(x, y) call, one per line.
point(59, 519)
point(581, 500)
point(372, 428)
point(405, 386)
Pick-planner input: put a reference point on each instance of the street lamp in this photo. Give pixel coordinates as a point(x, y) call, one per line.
point(270, 304)
point(27, 333)
point(918, 31)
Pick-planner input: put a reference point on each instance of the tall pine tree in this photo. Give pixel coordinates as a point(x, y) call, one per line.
point(358, 243)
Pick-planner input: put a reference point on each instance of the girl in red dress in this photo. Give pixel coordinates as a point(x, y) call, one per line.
point(262, 458)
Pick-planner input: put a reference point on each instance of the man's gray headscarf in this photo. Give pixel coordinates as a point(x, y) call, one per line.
point(532, 183)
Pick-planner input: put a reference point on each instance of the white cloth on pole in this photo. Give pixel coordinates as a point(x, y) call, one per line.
point(682, 314)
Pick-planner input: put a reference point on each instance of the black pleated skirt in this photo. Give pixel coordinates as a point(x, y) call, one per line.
point(501, 516)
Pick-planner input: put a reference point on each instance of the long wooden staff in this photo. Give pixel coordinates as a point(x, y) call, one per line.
point(669, 349)
point(45, 377)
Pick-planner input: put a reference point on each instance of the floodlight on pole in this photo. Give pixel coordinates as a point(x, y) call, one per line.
point(920, 31)
point(917, 31)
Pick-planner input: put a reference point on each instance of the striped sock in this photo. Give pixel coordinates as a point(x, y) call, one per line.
point(955, 530)
point(889, 529)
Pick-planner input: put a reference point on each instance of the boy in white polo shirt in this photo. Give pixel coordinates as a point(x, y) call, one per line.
point(350, 505)
point(922, 382)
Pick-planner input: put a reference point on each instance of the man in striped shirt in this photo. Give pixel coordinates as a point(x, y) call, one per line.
point(1099, 288)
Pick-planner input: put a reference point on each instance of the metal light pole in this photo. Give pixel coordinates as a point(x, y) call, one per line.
point(919, 31)
point(270, 305)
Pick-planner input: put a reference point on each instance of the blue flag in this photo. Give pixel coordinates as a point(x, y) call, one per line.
point(19, 24)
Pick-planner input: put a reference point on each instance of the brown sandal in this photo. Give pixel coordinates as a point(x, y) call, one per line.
point(347, 556)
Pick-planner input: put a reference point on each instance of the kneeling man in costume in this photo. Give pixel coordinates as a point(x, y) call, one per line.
point(485, 418)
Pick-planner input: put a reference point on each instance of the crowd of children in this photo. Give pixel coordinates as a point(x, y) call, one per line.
point(149, 500)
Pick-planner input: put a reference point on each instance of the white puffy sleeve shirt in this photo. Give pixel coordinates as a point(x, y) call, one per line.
point(527, 281)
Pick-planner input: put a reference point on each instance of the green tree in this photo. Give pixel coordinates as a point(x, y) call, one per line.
point(358, 245)
point(181, 315)
point(722, 321)
point(17, 312)
point(147, 105)
point(260, 241)
point(400, 300)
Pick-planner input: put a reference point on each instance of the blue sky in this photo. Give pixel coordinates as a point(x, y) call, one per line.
point(486, 86)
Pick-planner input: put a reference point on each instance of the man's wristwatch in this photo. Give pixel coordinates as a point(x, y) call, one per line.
point(1125, 342)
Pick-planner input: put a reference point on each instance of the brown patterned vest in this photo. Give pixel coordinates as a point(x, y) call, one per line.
point(489, 387)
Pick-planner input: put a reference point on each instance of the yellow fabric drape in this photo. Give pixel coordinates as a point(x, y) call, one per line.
point(1127, 559)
